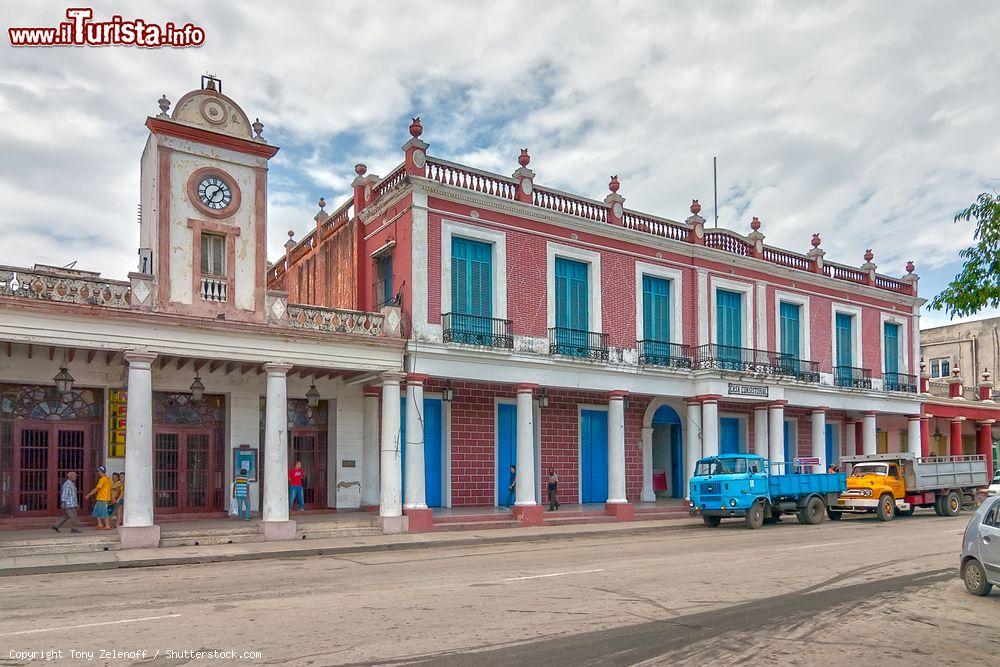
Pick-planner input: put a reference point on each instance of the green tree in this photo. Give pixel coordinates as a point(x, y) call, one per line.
point(978, 284)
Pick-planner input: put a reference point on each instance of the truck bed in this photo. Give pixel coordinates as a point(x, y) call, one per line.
point(794, 485)
point(947, 472)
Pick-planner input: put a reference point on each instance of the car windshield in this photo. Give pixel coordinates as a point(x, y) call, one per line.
point(862, 469)
point(721, 467)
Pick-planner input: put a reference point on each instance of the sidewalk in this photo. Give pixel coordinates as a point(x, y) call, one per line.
point(111, 560)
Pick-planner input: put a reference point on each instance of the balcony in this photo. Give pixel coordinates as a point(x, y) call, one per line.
point(664, 354)
point(900, 382)
point(476, 330)
point(852, 377)
point(761, 362)
point(578, 343)
point(214, 288)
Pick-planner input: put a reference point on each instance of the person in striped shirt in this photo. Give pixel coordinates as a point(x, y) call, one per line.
point(69, 502)
point(241, 492)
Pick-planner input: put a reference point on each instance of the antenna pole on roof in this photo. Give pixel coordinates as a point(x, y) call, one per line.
point(715, 189)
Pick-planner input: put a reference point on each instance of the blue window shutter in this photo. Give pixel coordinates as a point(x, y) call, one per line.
point(790, 334)
point(460, 276)
point(729, 328)
point(655, 309)
point(845, 352)
point(890, 342)
point(571, 294)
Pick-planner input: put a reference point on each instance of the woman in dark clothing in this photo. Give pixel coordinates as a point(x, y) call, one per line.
point(553, 489)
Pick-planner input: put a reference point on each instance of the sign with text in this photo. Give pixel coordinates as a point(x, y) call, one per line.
point(754, 390)
point(117, 412)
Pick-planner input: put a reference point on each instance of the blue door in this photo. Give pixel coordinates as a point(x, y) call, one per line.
point(593, 456)
point(433, 462)
point(728, 328)
point(471, 291)
point(572, 319)
point(890, 346)
point(729, 435)
point(506, 447)
point(676, 462)
point(832, 446)
point(791, 447)
point(789, 334)
point(655, 309)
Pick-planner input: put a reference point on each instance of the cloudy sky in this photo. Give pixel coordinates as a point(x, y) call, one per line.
point(870, 123)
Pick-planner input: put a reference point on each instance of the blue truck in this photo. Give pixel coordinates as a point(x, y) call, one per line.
point(744, 486)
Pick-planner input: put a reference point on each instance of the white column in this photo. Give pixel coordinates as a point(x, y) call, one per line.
point(692, 444)
point(819, 438)
point(868, 433)
point(710, 427)
point(414, 494)
point(851, 437)
point(913, 434)
point(760, 431)
point(390, 486)
point(776, 434)
point(616, 447)
point(139, 441)
point(275, 505)
point(648, 495)
point(524, 488)
point(369, 450)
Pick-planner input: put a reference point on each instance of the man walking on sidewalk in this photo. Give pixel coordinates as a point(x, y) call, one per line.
point(69, 502)
point(295, 487)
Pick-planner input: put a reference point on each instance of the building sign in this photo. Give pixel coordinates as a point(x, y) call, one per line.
point(757, 391)
point(117, 407)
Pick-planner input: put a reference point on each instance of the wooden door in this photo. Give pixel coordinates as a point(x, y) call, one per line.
point(309, 447)
point(166, 471)
point(33, 478)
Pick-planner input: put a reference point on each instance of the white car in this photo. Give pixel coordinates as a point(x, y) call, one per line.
point(980, 560)
point(994, 488)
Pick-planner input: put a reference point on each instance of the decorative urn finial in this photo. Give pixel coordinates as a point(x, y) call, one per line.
point(291, 233)
point(258, 128)
point(755, 223)
point(986, 375)
point(695, 207)
point(815, 241)
point(523, 159)
point(910, 267)
point(416, 129)
point(614, 184)
point(322, 203)
point(869, 255)
point(164, 105)
point(360, 169)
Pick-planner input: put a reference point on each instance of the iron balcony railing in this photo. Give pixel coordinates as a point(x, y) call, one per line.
point(578, 343)
point(749, 360)
point(852, 377)
point(662, 353)
point(477, 330)
point(900, 382)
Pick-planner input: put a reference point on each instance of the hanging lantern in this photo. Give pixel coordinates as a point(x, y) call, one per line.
point(312, 396)
point(63, 380)
point(543, 399)
point(449, 392)
point(197, 389)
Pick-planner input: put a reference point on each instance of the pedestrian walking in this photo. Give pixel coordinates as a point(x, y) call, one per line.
point(69, 501)
point(120, 503)
point(116, 494)
point(241, 493)
point(295, 487)
point(553, 490)
point(511, 487)
point(102, 498)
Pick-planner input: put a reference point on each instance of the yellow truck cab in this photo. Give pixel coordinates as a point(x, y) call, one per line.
point(890, 484)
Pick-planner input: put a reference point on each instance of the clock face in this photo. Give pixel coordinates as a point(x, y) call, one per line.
point(214, 193)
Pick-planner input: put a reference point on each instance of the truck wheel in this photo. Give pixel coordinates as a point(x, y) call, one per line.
point(952, 504)
point(755, 516)
point(801, 517)
point(975, 578)
point(712, 521)
point(886, 507)
point(938, 501)
point(835, 515)
point(814, 511)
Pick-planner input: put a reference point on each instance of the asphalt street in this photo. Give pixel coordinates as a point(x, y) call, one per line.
point(838, 593)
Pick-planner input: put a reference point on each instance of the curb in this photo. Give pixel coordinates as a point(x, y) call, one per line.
point(118, 563)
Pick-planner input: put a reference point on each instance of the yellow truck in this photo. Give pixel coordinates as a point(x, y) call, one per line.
point(891, 484)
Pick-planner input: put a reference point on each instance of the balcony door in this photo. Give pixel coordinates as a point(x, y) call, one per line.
point(471, 291)
point(790, 336)
point(656, 316)
point(572, 318)
point(729, 327)
point(890, 347)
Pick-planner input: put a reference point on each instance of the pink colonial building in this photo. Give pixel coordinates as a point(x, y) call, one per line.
point(558, 332)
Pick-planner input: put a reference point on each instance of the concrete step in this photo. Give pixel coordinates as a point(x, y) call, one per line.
point(248, 528)
point(571, 520)
point(475, 525)
point(204, 540)
point(469, 518)
point(665, 514)
point(328, 533)
point(576, 514)
point(58, 547)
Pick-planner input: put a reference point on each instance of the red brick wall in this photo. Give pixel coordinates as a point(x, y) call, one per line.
point(434, 269)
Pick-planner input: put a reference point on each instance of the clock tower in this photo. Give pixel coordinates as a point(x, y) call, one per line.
point(203, 220)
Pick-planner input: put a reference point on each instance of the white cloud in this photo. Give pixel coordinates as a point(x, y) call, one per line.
point(860, 121)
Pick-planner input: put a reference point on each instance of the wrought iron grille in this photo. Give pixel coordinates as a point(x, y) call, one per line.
point(900, 382)
point(749, 360)
point(852, 377)
point(477, 330)
point(578, 343)
point(662, 353)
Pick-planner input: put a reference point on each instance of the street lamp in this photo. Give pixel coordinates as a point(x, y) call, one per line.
point(543, 399)
point(197, 389)
point(448, 393)
point(312, 396)
point(63, 380)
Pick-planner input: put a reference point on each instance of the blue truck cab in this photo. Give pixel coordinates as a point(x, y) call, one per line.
point(744, 486)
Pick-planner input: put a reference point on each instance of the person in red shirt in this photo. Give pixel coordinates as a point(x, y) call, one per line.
point(295, 487)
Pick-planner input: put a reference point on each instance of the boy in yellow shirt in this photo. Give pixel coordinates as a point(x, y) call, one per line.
point(102, 493)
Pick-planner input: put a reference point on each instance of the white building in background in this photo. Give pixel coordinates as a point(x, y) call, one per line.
point(169, 375)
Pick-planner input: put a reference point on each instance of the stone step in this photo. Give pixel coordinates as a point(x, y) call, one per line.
point(667, 514)
point(58, 547)
point(329, 533)
point(571, 520)
point(250, 528)
point(469, 518)
point(205, 540)
point(576, 514)
point(475, 525)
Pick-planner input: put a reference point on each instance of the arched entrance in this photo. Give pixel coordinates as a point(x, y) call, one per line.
point(667, 451)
